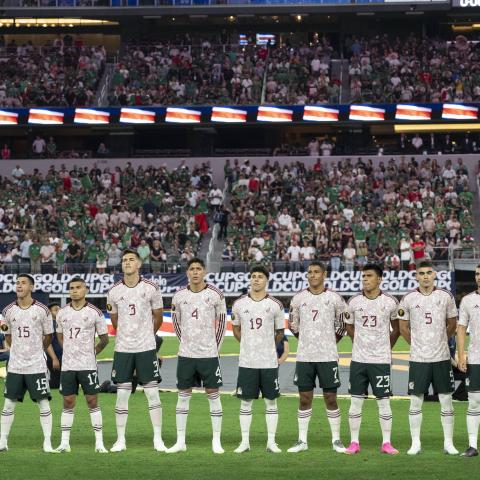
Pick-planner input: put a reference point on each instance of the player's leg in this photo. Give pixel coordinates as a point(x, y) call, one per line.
point(69, 391)
point(186, 368)
point(358, 390)
point(15, 389)
point(148, 373)
point(304, 379)
point(270, 391)
point(473, 412)
point(122, 375)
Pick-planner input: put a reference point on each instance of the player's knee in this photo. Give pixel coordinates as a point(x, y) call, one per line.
point(9, 405)
point(416, 402)
point(69, 402)
point(330, 399)
point(446, 403)
point(356, 405)
point(474, 400)
point(92, 401)
point(152, 395)
point(44, 405)
point(271, 404)
point(246, 405)
point(384, 407)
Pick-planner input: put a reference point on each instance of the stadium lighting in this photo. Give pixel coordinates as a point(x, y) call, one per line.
point(435, 127)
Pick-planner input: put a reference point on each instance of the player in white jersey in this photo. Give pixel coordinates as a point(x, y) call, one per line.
point(316, 319)
point(77, 324)
point(199, 316)
point(428, 318)
point(28, 328)
point(258, 324)
point(469, 317)
point(372, 325)
point(136, 311)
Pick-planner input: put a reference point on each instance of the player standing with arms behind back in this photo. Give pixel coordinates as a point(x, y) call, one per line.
point(428, 318)
point(199, 315)
point(369, 317)
point(28, 328)
point(316, 319)
point(258, 324)
point(136, 311)
point(77, 324)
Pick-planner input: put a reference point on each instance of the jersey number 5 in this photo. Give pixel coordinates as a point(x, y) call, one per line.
point(24, 331)
point(428, 318)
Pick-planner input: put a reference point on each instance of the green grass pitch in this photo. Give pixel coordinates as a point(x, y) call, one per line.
point(25, 459)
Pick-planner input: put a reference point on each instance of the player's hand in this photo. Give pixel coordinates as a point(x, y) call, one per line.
point(462, 364)
point(56, 364)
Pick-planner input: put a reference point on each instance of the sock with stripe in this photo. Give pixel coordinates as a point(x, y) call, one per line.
point(46, 421)
point(385, 416)
point(335, 420)
point(271, 417)
point(447, 416)
point(154, 407)
point(303, 417)
point(183, 406)
point(473, 418)
point(216, 414)
point(6, 420)
point(355, 417)
point(66, 422)
point(415, 417)
point(97, 424)
point(124, 390)
point(245, 420)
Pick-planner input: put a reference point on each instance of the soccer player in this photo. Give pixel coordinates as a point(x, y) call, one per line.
point(316, 320)
point(468, 318)
point(136, 311)
point(77, 324)
point(258, 324)
point(199, 315)
point(428, 318)
point(372, 325)
point(28, 328)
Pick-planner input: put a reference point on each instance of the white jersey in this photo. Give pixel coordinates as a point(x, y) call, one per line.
point(371, 318)
point(428, 316)
point(259, 321)
point(469, 316)
point(27, 326)
point(134, 307)
point(199, 320)
point(316, 318)
point(78, 328)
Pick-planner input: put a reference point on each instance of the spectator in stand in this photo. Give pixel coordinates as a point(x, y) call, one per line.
point(35, 257)
point(326, 147)
point(313, 147)
point(392, 261)
point(418, 249)
point(6, 152)
point(349, 255)
point(39, 147)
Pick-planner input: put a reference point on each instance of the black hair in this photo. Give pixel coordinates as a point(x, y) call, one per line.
point(260, 269)
point(425, 264)
point(318, 263)
point(76, 279)
point(28, 277)
point(373, 266)
point(130, 250)
point(195, 260)
point(53, 304)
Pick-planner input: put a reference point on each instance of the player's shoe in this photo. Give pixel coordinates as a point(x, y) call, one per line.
point(388, 448)
point(47, 448)
point(298, 447)
point(353, 448)
point(63, 448)
point(449, 449)
point(158, 445)
point(470, 452)
point(338, 446)
point(273, 448)
point(242, 448)
point(119, 446)
point(415, 449)
point(178, 447)
point(217, 447)
point(3, 447)
point(100, 448)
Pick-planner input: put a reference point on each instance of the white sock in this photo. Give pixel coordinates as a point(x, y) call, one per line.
point(335, 420)
point(66, 422)
point(124, 390)
point(154, 407)
point(415, 417)
point(447, 416)
point(216, 414)
point(7, 419)
point(45, 419)
point(271, 416)
point(97, 423)
point(183, 405)
point(304, 417)
point(245, 420)
point(385, 416)
point(473, 418)
point(355, 417)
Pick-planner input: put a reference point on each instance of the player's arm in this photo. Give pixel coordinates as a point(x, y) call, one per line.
point(47, 327)
point(451, 326)
point(279, 334)
point(452, 317)
point(463, 321)
point(395, 332)
point(237, 332)
point(220, 321)
point(60, 338)
point(47, 340)
point(236, 324)
point(112, 311)
point(286, 351)
point(403, 316)
point(294, 318)
point(51, 353)
point(102, 343)
point(340, 325)
point(176, 319)
point(157, 319)
point(349, 319)
point(8, 339)
point(279, 324)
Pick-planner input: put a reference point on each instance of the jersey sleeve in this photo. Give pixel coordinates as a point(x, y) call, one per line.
point(403, 311)
point(5, 323)
point(463, 316)
point(279, 318)
point(101, 324)
point(235, 315)
point(58, 323)
point(157, 300)
point(348, 316)
point(340, 309)
point(394, 311)
point(47, 323)
point(294, 316)
point(220, 320)
point(451, 307)
point(111, 305)
point(176, 318)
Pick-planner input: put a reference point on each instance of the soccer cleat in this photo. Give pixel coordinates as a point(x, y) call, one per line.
point(338, 446)
point(63, 448)
point(415, 449)
point(449, 449)
point(119, 446)
point(100, 449)
point(273, 448)
point(388, 448)
point(158, 445)
point(298, 447)
point(242, 448)
point(3, 447)
point(178, 447)
point(353, 448)
point(47, 448)
point(217, 447)
point(470, 452)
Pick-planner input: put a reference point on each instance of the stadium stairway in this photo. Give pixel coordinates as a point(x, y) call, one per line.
point(101, 97)
point(340, 70)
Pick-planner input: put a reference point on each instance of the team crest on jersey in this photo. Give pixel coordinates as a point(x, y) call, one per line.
point(3, 327)
point(172, 308)
point(401, 312)
point(109, 307)
point(346, 315)
point(232, 316)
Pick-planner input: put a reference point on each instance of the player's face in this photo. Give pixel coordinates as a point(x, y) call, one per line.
point(477, 277)
point(23, 287)
point(370, 280)
point(315, 276)
point(130, 264)
point(78, 291)
point(426, 277)
point(258, 282)
point(195, 273)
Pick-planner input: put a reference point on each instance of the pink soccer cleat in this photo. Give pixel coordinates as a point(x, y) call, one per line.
point(353, 448)
point(388, 448)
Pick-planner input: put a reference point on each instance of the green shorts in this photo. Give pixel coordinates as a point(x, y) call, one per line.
point(423, 374)
point(306, 374)
point(144, 364)
point(473, 378)
point(71, 379)
point(252, 381)
point(377, 375)
point(195, 372)
point(17, 384)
